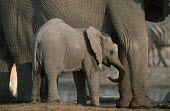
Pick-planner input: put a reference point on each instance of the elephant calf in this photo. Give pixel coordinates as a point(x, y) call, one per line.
point(57, 47)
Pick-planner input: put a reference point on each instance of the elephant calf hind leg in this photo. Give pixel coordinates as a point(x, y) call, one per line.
point(80, 82)
point(36, 87)
point(53, 96)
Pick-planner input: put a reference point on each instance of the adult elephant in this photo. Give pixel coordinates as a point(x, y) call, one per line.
point(19, 19)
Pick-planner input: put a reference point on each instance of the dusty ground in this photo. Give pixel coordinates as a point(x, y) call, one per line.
point(65, 107)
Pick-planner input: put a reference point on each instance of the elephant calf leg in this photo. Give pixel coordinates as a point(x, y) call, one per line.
point(80, 82)
point(36, 87)
point(53, 96)
point(93, 85)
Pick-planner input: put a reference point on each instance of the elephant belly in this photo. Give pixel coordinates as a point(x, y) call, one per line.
point(73, 63)
point(73, 59)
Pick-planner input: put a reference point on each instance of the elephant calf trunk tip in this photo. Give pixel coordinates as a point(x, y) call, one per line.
point(121, 75)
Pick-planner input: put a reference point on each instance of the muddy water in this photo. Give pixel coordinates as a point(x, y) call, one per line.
point(68, 92)
point(158, 93)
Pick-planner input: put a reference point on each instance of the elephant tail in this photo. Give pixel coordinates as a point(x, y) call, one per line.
point(35, 61)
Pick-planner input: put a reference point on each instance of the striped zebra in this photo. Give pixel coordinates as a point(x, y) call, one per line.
point(159, 37)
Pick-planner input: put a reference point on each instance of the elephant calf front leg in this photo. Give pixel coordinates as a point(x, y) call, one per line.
point(92, 75)
point(93, 85)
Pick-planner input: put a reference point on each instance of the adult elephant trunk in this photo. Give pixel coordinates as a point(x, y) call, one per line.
point(118, 65)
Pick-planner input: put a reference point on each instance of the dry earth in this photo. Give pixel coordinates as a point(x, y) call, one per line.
point(65, 107)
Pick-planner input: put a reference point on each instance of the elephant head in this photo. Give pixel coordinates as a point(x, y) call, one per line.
point(105, 50)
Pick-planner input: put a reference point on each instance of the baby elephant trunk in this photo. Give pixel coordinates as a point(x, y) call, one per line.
point(118, 65)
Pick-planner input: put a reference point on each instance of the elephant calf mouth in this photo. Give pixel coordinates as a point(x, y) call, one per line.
point(108, 65)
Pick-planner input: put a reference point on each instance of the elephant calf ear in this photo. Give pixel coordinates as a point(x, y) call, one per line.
point(94, 37)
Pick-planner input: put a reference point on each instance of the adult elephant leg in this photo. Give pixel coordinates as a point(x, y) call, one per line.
point(18, 32)
point(24, 72)
point(129, 24)
point(80, 81)
point(6, 63)
point(137, 58)
point(124, 85)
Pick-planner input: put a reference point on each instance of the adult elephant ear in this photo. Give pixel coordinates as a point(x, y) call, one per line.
point(94, 37)
point(156, 10)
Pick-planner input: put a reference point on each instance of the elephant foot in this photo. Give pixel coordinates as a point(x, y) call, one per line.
point(57, 101)
point(95, 104)
point(123, 102)
point(36, 100)
point(143, 103)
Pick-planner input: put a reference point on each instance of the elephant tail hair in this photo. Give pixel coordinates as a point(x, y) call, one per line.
point(35, 63)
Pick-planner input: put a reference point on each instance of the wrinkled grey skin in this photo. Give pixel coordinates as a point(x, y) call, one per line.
point(122, 19)
point(57, 48)
point(159, 37)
